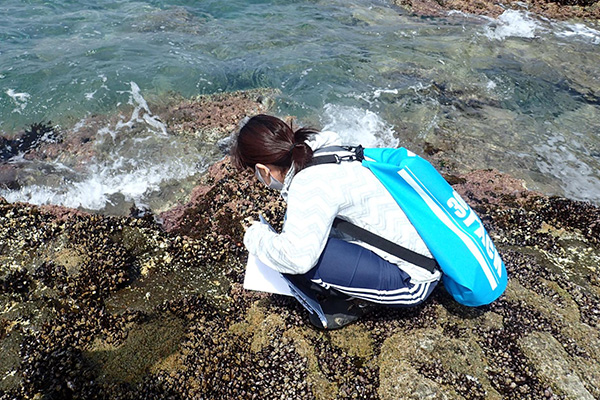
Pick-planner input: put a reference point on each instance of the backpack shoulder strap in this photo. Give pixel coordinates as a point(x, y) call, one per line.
point(430, 264)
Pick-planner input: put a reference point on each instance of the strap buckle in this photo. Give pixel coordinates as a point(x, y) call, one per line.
point(357, 153)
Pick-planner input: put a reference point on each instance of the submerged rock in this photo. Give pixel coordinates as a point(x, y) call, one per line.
point(30, 139)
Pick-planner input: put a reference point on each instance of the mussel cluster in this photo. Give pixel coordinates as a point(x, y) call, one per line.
point(60, 275)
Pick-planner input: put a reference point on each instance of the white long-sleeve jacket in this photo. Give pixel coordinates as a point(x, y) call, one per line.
point(315, 196)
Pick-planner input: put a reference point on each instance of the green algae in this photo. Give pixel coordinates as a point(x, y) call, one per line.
point(261, 327)
point(10, 341)
point(354, 340)
point(146, 346)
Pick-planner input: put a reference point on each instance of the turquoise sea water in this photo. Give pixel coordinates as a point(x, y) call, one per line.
point(519, 93)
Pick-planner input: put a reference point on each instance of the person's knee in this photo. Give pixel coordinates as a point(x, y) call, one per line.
point(421, 294)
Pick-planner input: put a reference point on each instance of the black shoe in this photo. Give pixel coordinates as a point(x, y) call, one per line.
point(339, 313)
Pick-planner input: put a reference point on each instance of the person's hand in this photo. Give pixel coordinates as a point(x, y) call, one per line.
point(247, 223)
point(252, 236)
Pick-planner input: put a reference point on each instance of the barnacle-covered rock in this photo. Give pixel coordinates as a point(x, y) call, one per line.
point(145, 306)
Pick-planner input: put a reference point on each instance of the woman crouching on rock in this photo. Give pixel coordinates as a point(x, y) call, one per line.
point(344, 275)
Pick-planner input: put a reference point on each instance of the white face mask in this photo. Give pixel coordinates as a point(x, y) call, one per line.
point(274, 184)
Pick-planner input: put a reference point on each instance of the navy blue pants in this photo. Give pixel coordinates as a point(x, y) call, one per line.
point(360, 273)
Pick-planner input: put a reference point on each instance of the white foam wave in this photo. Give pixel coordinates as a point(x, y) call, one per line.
point(358, 126)
point(141, 112)
point(135, 163)
point(378, 92)
point(578, 179)
point(374, 96)
point(516, 23)
point(580, 31)
point(102, 182)
point(20, 99)
point(512, 23)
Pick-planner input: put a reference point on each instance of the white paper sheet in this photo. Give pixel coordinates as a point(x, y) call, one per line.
point(264, 279)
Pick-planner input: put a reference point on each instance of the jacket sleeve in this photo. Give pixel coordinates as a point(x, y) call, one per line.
point(312, 207)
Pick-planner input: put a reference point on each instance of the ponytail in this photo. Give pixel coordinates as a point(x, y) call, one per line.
point(301, 153)
point(266, 139)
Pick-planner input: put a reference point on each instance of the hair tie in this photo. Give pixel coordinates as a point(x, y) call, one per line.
point(292, 147)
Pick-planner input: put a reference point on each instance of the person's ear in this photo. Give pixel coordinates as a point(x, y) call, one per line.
point(264, 172)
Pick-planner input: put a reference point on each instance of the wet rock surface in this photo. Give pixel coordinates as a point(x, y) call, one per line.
point(559, 9)
point(97, 306)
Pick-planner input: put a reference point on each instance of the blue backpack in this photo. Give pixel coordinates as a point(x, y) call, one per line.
point(473, 272)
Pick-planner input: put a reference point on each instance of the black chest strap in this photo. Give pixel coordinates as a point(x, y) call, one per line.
point(383, 244)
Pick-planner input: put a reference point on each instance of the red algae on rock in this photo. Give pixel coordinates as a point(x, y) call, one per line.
point(215, 114)
point(560, 9)
point(220, 203)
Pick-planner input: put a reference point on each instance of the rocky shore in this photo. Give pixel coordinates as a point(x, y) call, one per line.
point(557, 9)
point(152, 306)
point(122, 307)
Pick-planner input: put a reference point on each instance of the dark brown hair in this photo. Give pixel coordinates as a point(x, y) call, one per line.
point(266, 139)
